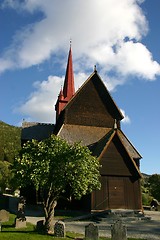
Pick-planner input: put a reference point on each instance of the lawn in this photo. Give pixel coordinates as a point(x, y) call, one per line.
point(29, 233)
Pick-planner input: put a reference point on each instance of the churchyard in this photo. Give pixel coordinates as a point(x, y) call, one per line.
point(9, 232)
point(27, 224)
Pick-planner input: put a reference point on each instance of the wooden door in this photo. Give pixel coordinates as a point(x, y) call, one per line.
point(116, 193)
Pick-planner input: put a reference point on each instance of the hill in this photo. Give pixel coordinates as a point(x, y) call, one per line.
point(10, 141)
point(146, 175)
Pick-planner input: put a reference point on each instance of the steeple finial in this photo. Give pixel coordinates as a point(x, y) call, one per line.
point(115, 124)
point(95, 68)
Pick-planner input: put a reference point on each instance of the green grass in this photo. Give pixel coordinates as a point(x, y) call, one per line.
point(10, 233)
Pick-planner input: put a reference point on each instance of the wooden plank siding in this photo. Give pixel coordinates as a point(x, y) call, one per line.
point(115, 160)
point(90, 107)
point(117, 193)
point(120, 185)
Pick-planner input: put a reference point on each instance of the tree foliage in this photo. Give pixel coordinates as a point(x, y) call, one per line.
point(5, 175)
point(10, 144)
point(54, 166)
point(154, 185)
point(10, 141)
point(150, 188)
point(146, 194)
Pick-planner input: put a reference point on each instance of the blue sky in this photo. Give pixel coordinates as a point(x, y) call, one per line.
point(121, 37)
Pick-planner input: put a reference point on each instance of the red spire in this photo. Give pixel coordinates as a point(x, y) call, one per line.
point(68, 89)
point(60, 96)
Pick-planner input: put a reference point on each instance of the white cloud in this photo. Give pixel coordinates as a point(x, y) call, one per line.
point(134, 58)
point(126, 119)
point(103, 29)
point(5, 64)
point(106, 32)
point(40, 105)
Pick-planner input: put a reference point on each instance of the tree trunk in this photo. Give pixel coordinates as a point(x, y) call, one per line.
point(49, 217)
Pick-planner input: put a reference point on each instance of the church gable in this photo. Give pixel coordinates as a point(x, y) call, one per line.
point(116, 161)
point(92, 105)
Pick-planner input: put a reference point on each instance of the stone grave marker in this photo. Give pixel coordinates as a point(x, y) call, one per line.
point(4, 216)
point(118, 231)
point(40, 226)
point(59, 229)
point(91, 232)
point(20, 220)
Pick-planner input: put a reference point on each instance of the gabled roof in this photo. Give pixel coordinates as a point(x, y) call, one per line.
point(102, 145)
point(103, 92)
point(91, 105)
point(128, 145)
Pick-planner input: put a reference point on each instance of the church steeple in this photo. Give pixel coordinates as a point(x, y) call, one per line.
point(68, 88)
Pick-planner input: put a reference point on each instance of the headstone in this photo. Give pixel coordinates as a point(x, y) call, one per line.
point(40, 226)
point(91, 232)
point(4, 216)
point(59, 229)
point(20, 221)
point(118, 231)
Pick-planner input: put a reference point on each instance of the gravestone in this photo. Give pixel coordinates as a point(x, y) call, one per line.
point(20, 221)
point(59, 229)
point(118, 231)
point(91, 232)
point(40, 227)
point(4, 216)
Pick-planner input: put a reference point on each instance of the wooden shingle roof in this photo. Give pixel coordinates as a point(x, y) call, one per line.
point(35, 130)
point(129, 146)
point(87, 135)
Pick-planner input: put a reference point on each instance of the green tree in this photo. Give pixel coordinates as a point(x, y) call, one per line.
point(146, 195)
point(5, 175)
point(154, 185)
point(10, 141)
point(53, 166)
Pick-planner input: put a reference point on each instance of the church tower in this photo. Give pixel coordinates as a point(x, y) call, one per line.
point(68, 89)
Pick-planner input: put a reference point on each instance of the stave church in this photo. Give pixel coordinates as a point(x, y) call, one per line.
point(91, 116)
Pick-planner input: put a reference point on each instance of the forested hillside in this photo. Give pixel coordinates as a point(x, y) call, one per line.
point(10, 141)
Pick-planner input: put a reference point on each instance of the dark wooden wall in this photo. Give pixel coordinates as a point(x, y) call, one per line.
point(92, 106)
point(88, 109)
point(116, 161)
point(117, 193)
point(120, 181)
